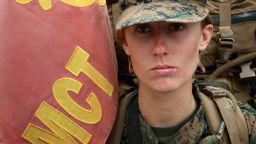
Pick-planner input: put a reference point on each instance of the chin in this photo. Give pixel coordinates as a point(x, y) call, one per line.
point(170, 85)
point(166, 87)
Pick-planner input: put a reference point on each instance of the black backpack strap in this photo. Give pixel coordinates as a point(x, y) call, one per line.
point(133, 123)
point(117, 130)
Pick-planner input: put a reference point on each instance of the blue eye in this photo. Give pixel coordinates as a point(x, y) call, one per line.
point(176, 27)
point(143, 28)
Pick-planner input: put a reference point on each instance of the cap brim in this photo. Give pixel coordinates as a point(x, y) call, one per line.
point(163, 11)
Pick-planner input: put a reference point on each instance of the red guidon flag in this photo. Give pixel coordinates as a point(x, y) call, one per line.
point(58, 72)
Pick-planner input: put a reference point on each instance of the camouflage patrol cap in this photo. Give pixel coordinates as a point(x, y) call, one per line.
point(143, 11)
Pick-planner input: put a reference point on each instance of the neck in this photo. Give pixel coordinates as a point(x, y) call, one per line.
point(166, 109)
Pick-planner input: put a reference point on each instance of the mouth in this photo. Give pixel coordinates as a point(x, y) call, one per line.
point(164, 70)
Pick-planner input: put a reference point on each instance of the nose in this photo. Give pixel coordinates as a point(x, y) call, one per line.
point(160, 47)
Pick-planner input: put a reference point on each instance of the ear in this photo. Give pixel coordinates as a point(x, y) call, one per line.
point(205, 37)
point(126, 48)
point(125, 45)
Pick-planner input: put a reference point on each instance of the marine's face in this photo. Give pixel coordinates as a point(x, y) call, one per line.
point(165, 55)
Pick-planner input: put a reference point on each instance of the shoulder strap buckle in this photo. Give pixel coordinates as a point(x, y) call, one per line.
point(214, 92)
point(226, 37)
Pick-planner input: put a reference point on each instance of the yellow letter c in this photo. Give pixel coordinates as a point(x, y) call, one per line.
point(60, 92)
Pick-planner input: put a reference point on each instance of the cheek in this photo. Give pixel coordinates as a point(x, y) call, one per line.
point(188, 53)
point(188, 48)
point(138, 60)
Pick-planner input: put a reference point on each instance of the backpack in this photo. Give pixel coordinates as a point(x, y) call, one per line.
point(224, 118)
point(230, 59)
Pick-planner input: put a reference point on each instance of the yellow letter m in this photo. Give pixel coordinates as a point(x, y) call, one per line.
point(61, 126)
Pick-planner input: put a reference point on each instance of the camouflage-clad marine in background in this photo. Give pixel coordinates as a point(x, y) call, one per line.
point(156, 23)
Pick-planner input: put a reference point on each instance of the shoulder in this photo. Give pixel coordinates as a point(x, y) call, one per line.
point(250, 117)
point(248, 113)
point(246, 108)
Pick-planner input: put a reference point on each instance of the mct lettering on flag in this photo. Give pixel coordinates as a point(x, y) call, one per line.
point(58, 72)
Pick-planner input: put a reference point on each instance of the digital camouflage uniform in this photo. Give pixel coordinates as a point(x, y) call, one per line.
point(192, 132)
